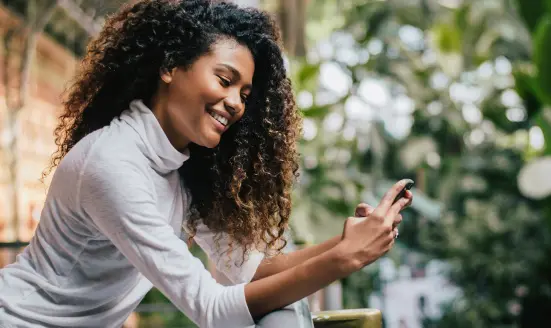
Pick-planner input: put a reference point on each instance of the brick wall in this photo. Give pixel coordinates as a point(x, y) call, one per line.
point(52, 67)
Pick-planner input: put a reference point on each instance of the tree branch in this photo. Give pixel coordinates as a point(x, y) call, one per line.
point(29, 46)
point(91, 26)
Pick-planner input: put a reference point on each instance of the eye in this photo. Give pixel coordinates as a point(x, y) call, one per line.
point(224, 82)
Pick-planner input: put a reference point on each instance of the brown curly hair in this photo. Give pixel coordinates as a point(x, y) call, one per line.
point(242, 187)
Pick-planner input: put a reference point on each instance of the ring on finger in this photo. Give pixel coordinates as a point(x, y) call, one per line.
point(396, 233)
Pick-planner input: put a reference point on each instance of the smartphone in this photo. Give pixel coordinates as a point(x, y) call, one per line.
point(408, 186)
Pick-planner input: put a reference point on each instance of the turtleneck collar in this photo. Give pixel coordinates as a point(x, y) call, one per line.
point(158, 149)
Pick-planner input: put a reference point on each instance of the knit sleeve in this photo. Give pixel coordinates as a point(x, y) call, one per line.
point(120, 201)
point(230, 262)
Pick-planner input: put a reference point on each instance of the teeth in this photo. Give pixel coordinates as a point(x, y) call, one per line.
point(220, 118)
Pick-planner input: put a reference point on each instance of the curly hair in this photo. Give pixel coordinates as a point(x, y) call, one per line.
point(242, 187)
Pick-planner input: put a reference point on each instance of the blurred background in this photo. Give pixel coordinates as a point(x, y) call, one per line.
point(454, 94)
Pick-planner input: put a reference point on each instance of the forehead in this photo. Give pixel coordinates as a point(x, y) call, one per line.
point(230, 52)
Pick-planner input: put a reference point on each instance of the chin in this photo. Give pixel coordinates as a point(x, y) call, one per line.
point(212, 145)
point(211, 142)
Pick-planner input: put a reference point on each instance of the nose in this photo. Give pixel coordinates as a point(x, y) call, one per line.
point(233, 103)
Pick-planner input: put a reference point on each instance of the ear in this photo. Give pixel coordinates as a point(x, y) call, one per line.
point(166, 75)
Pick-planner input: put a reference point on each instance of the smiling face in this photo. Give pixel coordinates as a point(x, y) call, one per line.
point(199, 103)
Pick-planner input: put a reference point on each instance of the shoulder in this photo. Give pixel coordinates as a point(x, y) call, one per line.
point(115, 176)
point(107, 156)
point(110, 147)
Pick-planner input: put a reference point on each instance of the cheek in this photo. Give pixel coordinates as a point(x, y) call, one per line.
point(179, 95)
point(185, 102)
point(240, 115)
point(211, 91)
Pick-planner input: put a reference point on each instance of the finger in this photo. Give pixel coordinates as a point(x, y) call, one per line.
point(395, 209)
point(409, 196)
point(391, 241)
point(388, 198)
point(352, 221)
point(364, 210)
point(397, 220)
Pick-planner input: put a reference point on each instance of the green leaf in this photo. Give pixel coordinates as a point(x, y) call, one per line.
point(542, 49)
point(338, 206)
point(461, 16)
point(532, 11)
point(543, 121)
point(316, 111)
point(527, 89)
point(548, 216)
point(305, 76)
point(375, 22)
point(447, 38)
point(308, 72)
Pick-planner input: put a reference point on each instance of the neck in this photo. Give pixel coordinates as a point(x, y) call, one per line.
point(159, 107)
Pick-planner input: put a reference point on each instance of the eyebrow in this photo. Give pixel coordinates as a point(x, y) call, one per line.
point(235, 73)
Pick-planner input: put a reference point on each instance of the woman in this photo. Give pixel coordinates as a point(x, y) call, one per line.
point(181, 117)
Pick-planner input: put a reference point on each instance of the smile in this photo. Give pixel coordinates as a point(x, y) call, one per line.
point(219, 118)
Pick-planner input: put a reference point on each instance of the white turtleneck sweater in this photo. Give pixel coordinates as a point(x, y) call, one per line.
point(110, 230)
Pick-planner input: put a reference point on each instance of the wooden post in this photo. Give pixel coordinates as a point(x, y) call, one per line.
point(292, 20)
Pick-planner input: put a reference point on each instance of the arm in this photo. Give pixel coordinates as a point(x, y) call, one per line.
point(266, 293)
point(255, 266)
point(122, 206)
point(230, 265)
point(295, 283)
point(364, 240)
point(282, 262)
point(117, 199)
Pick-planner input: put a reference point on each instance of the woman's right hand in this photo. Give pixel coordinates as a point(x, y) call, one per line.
point(365, 239)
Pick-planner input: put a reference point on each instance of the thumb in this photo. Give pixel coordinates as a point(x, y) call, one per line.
point(350, 222)
point(363, 210)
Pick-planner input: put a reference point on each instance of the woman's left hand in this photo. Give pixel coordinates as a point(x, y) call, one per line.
point(363, 210)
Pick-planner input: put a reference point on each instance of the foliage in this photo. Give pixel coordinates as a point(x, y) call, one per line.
point(479, 84)
point(454, 96)
point(533, 77)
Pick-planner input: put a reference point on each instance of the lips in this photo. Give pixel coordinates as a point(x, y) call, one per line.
point(221, 116)
point(224, 121)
